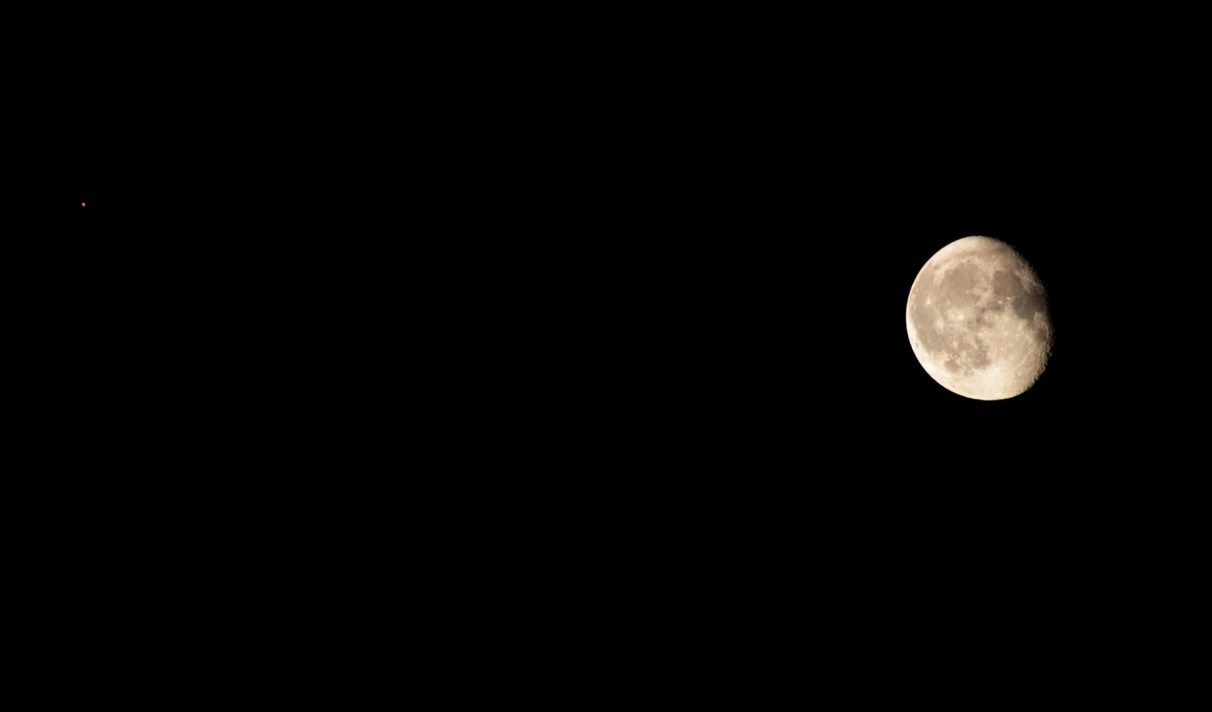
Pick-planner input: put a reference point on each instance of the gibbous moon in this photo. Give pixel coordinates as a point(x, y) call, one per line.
point(978, 319)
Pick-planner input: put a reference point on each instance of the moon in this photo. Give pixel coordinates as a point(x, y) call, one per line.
point(978, 319)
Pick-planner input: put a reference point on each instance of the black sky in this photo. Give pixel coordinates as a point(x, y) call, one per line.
point(637, 289)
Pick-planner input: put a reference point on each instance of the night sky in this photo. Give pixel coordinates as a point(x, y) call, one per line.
point(605, 320)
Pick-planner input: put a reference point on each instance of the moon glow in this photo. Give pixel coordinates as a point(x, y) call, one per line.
point(978, 320)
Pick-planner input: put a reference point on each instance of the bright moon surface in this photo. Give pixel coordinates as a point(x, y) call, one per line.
point(978, 320)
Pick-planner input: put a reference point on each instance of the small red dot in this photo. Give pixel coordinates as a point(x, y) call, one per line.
point(83, 204)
